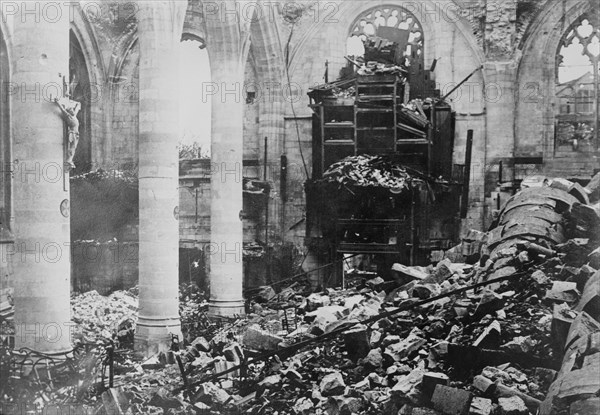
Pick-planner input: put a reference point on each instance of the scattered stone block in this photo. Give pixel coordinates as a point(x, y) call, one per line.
point(266, 294)
point(512, 405)
point(315, 301)
point(489, 303)
point(259, 339)
point(332, 384)
point(374, 359)
point(353, 301)
point(519, 344)
point(431, 380)
point(490, 338)
point(357, 343)
point(408, 346)
point(481, 383)
point(540, 277)
point(451, 401)
point(405, 384)
point(201, 344)
point(375, 338)
point(234, 353)
point(391, 339)
point(590, 299)
point(578, 338)
point(271, 381)
point(340, 405)
point(562, 318)
point(415, 273)
point(152, 362)
point(304, 406)
point(580, 382)
point(481, 406)
point(585, 407)
point(563, 291)
point(219, 396)
point(162, 399)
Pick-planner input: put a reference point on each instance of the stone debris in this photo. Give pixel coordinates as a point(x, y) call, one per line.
point(512, 406)
point(451, 401)
point(527, 342)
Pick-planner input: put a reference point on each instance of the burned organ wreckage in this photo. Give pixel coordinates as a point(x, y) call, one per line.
point(384, 187)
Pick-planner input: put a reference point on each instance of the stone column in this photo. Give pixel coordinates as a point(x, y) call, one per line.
point(501, 81)
point(226, 57)
point(41, 258)
point(159, 28)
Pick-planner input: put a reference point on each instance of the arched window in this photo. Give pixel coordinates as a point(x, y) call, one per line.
point(577, 86)
point(195, 104)
point(374, 22)
point(396, 24)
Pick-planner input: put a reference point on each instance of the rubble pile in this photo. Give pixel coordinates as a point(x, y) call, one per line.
point(371, 171)
point(516, 330)
point(498, 349)
point(98, 317)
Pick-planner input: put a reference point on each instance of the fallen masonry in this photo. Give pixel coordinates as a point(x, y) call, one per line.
point(516, 332)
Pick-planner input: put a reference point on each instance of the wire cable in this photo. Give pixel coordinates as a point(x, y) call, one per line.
point(289, 85)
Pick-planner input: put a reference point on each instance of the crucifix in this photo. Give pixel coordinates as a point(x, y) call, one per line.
point(69, 110)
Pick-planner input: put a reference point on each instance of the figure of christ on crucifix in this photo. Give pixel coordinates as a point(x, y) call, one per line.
point(69, 110)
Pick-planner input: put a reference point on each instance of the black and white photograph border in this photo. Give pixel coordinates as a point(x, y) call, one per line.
point(298, 207)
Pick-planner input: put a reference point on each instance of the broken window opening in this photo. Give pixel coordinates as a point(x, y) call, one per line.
point(377, 22)
point(577, 87)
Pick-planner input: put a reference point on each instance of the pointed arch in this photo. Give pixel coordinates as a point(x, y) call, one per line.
point(93, 88)
point(346, 12)
point(535, 126)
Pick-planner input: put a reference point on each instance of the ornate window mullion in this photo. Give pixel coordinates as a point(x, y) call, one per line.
point(391, 16)
point(577, 87)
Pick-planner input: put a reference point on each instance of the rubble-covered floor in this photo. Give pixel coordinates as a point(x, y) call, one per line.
point(527, 340)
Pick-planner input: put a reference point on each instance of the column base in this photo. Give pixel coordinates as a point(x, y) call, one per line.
point(218, 308)
point(151, 338)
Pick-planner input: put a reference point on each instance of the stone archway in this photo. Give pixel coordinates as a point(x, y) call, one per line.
point(537, 84)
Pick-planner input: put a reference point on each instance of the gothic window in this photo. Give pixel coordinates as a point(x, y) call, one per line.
point(374, 22)
point(577, 86)
point(398, 25)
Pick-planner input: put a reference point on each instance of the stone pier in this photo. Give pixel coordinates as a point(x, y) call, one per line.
point(226, 61)
point(41, 258)
point(159, 29)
